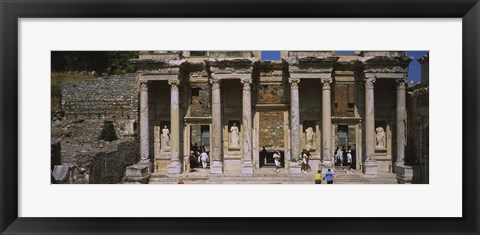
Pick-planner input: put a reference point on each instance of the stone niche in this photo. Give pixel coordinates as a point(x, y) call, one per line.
point(234, 141)
point(382, 139)
point(309, 136)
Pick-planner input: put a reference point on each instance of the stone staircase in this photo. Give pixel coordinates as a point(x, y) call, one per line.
point(267, 176)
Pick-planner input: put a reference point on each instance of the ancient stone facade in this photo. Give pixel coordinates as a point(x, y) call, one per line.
point(314, 101)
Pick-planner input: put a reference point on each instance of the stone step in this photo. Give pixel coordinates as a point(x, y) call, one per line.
point(271, 179)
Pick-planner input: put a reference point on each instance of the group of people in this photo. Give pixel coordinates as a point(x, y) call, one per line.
point(344, 158)
point(198, 157)
point(329, 176)
point(305, 156)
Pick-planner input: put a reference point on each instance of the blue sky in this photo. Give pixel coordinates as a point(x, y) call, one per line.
point(413, 71)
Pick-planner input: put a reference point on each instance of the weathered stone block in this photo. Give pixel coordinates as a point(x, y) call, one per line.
point(233, 165)
point(216, 167)
point(406, 174)
point(136, 170)
point(174, 168)
point(247, 168)
point(295, 168)
point(61, 174)
point(370, 168)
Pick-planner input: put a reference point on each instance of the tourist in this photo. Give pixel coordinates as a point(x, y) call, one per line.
point(305, 165)
point(204, 159)
point(193, 160)
point(318, 177)
point(276, 158)
point(329, 176)
point(180, 181)
point(349, 162)
point(339, 156)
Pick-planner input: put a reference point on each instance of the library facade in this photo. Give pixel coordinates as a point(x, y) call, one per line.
point(240, 109)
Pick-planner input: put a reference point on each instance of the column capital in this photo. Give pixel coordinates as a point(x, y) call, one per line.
point(246, 80)
point(174, 82)
point(143, 86)
point(215, 83)
point(401, 84)
point(294, 82)
point(246, 83)
point(326, 82)
point(369, 82)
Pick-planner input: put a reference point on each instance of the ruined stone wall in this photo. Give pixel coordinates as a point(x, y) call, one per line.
point(271, 94)
point(87, 106)
point(200, 103)
point(109, 167)
point(271, 130)
point(112, 98)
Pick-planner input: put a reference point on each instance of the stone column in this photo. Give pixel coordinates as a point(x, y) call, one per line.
point(144, 148)
point(247, 127)
point(370, 166)
point(405, 174)
point(326, 122)
point(294, 125)
point(175, 166)
point(401, 119)
point(216, 166)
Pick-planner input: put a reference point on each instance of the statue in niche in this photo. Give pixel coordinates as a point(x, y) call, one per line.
point(165, 137)
point(310, 134)
point(380, 138)
point(234, 137)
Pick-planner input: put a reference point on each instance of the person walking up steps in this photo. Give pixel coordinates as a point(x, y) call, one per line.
point(318, 177)
point(329, 176)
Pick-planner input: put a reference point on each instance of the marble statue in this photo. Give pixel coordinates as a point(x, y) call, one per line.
point(234, 137)
point(165, 137)
point(310, 137)
point(380, 138)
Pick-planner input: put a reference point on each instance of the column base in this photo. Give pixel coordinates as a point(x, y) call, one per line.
point(406, 174)
point(295, 168)
point(136, 174)
point(370, 168)
point(174, 168)
point(216, 167)
point(247, 168)
point(146, 162)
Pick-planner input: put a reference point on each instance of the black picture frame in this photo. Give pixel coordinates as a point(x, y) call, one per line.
point(11, 11)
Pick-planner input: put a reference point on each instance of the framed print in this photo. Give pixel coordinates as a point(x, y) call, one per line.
point(107, 107)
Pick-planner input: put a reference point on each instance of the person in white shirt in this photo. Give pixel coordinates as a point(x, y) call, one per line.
point(349, 162)
point(339, 156)
point(204, 159)
point(276, 157)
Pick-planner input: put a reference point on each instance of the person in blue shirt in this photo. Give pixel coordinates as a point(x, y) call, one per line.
point(329, 176)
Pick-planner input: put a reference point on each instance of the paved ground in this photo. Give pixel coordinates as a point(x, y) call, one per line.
point(266, 175)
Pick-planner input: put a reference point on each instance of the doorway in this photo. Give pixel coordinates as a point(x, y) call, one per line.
point(199, 141)
point(346, 139)
point(266, 158)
